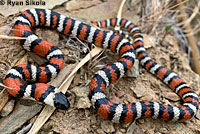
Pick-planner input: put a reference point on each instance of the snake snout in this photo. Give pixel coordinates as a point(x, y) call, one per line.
point(61, 102)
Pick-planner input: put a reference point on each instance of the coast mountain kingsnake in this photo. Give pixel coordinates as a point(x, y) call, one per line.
point(103, 78)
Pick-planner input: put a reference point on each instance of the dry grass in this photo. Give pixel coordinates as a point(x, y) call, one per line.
point(156, 15)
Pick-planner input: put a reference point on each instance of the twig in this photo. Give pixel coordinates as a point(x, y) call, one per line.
point(165, 10)
point(87, 49)
point(167, 31)
point(161, 11)
point(192, 16)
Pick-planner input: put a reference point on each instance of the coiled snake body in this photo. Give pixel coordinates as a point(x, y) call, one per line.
point(103, 78)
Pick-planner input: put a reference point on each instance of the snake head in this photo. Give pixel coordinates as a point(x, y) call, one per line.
point(60, 101)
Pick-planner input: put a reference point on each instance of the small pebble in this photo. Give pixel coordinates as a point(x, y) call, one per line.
point(134, 72)
point(163, 130)
point(130, 98)
point(100, 131)
point(115, 100)
point(120, 94)
point(171, 96)
point(81, 91)
point(139, 90)
point(118, 132)
point(84, 103)
point(107, 126)
point(123, 130)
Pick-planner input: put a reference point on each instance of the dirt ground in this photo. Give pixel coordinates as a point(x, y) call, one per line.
point(81, 118)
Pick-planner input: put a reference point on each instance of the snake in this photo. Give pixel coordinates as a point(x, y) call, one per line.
point(127, 50)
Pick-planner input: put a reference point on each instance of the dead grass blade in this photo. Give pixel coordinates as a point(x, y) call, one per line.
point(48, 110)
point(92, 53)
point(25, 129)
point(42, 118)
point(10, 37)
point(119, 14)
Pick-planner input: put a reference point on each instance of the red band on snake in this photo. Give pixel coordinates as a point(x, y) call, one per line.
point(103, 78)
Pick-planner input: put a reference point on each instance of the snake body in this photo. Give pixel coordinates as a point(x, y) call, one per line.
point(103, 78)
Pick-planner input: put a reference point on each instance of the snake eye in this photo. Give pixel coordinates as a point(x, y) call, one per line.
point(60, 101)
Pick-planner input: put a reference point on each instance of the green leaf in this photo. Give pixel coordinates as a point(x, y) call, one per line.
point(168, 28)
